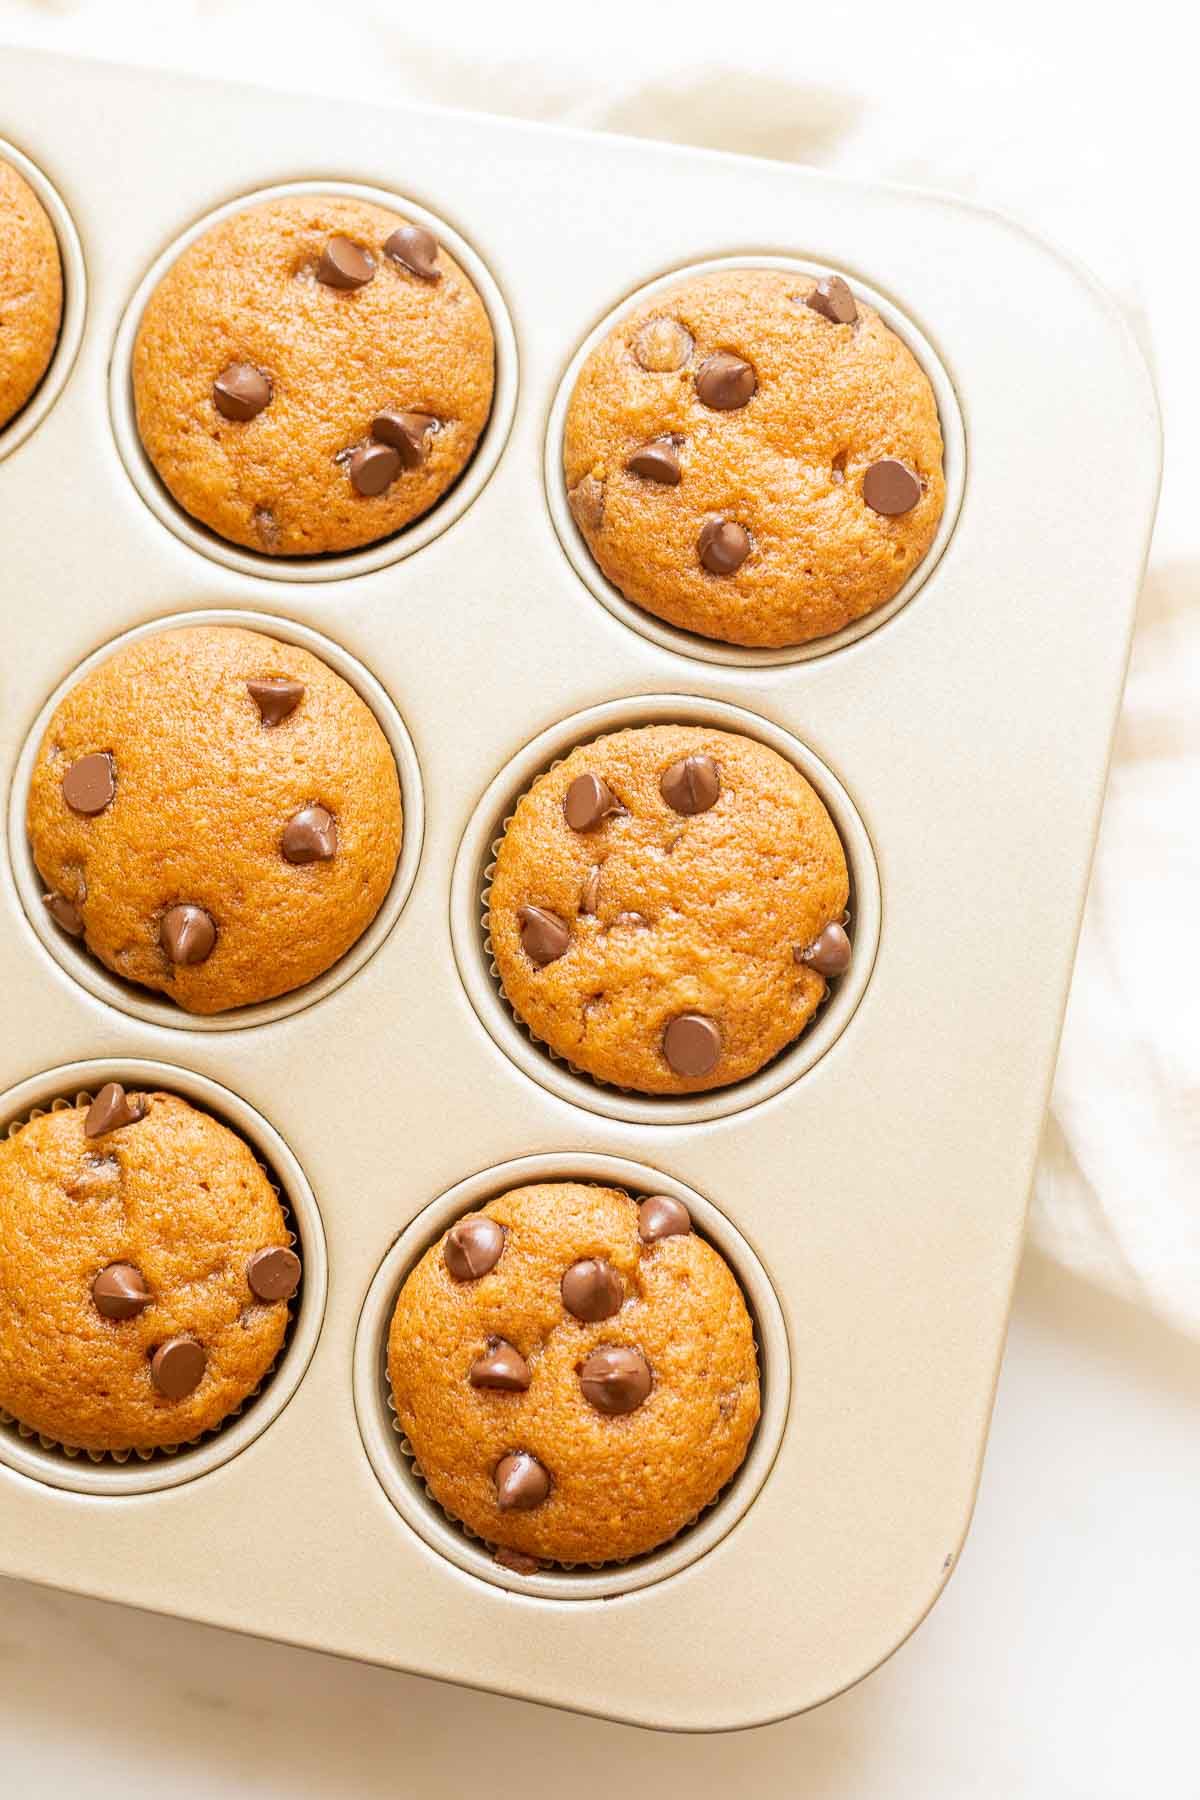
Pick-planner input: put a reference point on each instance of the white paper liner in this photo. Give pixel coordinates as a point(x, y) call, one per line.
point(158, 1452)
point(545, 1563)
point(548, 1050)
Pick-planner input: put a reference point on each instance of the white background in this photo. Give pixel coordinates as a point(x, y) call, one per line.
point(1062, 1661)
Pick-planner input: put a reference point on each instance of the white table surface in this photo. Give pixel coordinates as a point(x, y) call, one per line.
point(1061, 1661)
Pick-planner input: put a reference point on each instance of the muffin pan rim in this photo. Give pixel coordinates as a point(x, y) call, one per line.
point(469, 930)
point(693, 645)
point(371, 557)
point(75, 302)
point(377, 1425)
point(95, 977)
point(113, 1481)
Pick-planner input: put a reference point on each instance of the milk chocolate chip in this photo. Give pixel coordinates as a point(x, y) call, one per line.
point(691, 785)
point(273, 1273)
point(177, 1367)
point(615, 1379)
point(472, 1247)
point(188, 934)
point(65, 913)
point(656, 461)
point(373, 468)
point(345, 264)
point(722, 546)
point(415, 249)
point(501, 1366)
point(828, 954)
point(276, 698)
point(89, 784)
point(112, 1109)
point(544, 937)
point(692, 1044)
point(660, 1216)
point(120, 1292)
point(587, 801)
point(309, 836)
point(407, 433)
point(725, 382)
point(592, 1290)
point(521, 1482)
point(240, 392)
point(833, 300)
point(891, 487)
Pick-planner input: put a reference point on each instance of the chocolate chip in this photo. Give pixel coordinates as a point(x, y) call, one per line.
point(240, 392)
point(309, 836)
point(692, 1044)
point(177, 1367)
point(586, 501)
point(591, 891)
point(662, 346)
point(65, 913)
point(592, 1290)
point(615, 1379)
point(660, 1216)
point(415, 249)
point(111, 1109)
point(188, 934)
point(345, 264)
point(373, 468)
point(544, 937)
point(472, 1247)
point(517, 1561)
point(501, 1366)
point(273, 1273)
point(890, 487)
point(722, 546)
point(521, 1482)
point(725, 382)
point(407, 433)
point(691, 785)
point(275, 697)
point(89, 784)
point(656, 461)
point(587, 801)
point(833, 300)
point(828, 954)
point(120, 1292)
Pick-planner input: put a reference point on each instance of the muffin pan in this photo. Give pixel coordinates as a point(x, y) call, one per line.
point(872, 1187)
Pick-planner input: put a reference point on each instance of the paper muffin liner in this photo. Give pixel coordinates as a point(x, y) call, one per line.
point(544, 1563)
point(548, 1050)
point(159, 1452)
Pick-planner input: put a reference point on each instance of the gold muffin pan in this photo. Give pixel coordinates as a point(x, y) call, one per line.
point(869, 1186)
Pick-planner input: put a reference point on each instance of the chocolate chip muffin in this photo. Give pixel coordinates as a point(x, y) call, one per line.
point(31, 292)
point(216, 814)
point(668, 906)
point(145, 1270)
point(312, 374)
point(575, 1372)
point(754, 456)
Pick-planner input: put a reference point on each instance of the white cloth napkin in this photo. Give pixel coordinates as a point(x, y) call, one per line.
point(1022, 111)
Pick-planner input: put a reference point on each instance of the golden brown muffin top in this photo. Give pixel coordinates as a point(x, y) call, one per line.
point(636, 1420)
point(719, 450)
point(31, 292)
point(166, 1212)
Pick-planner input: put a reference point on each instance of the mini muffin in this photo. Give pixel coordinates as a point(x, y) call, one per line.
point(575, 1372)
point(312, 374)
point(754, 456)
point(31, 292)
point(667, 907)
point(145, 1270)
point(216, 814)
